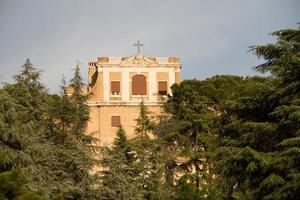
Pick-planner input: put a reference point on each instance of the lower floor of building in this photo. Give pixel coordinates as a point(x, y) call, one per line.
point(105, 120)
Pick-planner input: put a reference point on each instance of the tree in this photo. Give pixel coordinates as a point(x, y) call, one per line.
point(39, 136)
point(119, 177)
point(80, 100)
point(195, 115)
point(260, 129)
point(121, 142)
point(149, 161)
point(191, 130)
point(23, 105)
point(144, 125)
point(13, 186)
point(74, 152)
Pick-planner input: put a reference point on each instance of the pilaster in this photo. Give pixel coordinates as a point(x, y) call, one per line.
point(125, 86)
point(105, 85)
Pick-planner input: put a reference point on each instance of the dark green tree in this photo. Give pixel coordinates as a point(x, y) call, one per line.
point(74, 150)
point(119, 177)
point(80, 100)
point(144, 125)
point(191, 131)
point(13, 186)
point(258, 156)
point(38, 133)
point(195, 115)
point(121, 141)
point(149, 160)
point(22, 126)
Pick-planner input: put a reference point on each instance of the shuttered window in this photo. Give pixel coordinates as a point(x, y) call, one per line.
point(139, 85)
point(115, 121)
point(115, 87)
point(162, 87)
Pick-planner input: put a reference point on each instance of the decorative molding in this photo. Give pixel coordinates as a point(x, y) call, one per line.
point(122, 103)
point(138, 60)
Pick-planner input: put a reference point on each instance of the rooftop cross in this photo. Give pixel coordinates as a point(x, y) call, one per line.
point(138, 44)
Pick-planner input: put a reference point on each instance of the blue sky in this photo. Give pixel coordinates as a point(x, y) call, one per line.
point(210, 36)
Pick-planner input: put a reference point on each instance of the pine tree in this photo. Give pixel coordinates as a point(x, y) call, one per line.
point(258, 156)
point(121, 140)
point(195, 114)
point(30, 77)
point(13, 186)
point(22, 127)
point(144, 125)
point(80, 100)
point(191, 131)
point(119, 177)
point(148, 157)
point(68, 117)
point(38, 135)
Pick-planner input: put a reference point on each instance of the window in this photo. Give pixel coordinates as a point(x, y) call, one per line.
point(115, 87)
point(139, 85)
point(162, 87)
point(115, 121)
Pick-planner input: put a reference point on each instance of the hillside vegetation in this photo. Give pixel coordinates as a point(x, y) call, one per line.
point(226, 137)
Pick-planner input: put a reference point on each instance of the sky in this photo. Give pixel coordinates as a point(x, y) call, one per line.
point(209, 36)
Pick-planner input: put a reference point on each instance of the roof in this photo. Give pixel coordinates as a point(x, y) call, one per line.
point(136, 60)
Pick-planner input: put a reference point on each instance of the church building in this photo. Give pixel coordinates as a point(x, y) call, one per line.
point(119, 84)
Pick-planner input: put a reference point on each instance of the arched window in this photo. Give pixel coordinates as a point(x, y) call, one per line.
point(139, 85)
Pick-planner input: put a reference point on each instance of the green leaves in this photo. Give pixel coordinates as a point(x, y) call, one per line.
point(144, 125)
point(44, 136)
point(272, 181)
point(263, 122)
point(290, 142)
point(12, 186)
point(120, 176)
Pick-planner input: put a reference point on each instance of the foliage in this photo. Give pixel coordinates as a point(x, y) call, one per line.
point(119, 175)
point(12, 186)
point(144, 125)
point(149, 158)
point(44, 136)
point(226, 137)
point(260, 129)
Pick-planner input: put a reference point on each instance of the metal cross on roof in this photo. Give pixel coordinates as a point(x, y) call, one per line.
point(138, 44)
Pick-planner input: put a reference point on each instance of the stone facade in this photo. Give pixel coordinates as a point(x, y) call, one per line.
point(119, 84)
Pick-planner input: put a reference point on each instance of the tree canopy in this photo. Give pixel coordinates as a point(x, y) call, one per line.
point(226, 137)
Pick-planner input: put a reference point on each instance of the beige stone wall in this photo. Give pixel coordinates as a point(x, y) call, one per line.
point(177, 77)
point(107, 133)
point(91, 72)
point(93, 123)
point(115, 76)
point(162, 76)
point(97, 90)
